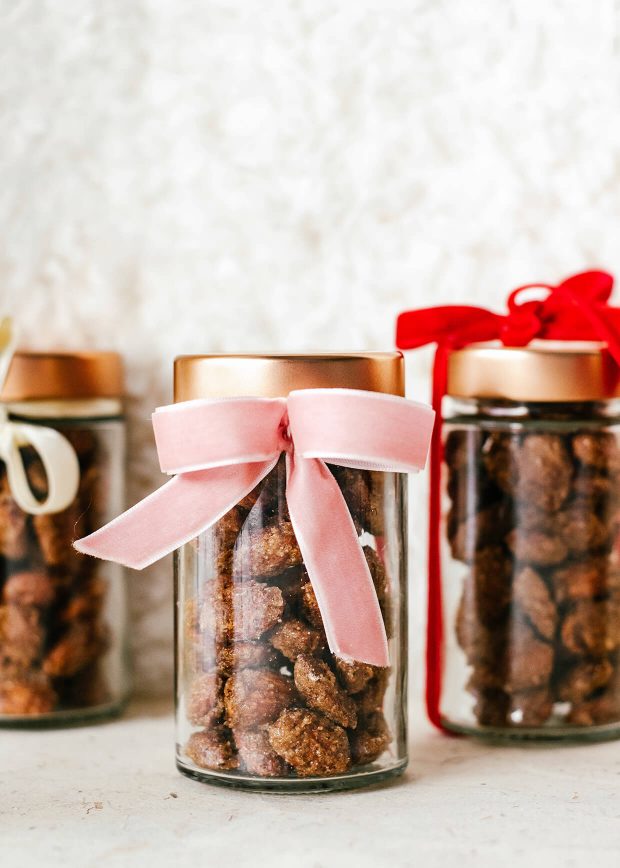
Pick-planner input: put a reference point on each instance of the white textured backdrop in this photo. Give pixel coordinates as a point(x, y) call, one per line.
point(205, 176)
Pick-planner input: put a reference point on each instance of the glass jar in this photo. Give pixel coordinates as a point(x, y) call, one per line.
point(63, 635)
point(261, 701)
point(530, 558)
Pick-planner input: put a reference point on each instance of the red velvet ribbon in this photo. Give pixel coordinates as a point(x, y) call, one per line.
point(576, 309)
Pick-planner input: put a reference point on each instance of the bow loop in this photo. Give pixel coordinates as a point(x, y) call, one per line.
point(57, 456)
point(595, 287)
point(202, 434)
point(323, 421)
point(515, 306)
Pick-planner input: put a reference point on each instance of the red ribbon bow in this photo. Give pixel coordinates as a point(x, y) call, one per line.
point(576, 309)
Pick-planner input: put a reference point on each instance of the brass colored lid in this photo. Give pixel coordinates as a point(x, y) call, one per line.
point(551, 371)
point(274, 376)
point(39, 376)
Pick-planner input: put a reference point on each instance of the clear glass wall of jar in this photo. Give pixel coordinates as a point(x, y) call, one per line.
point(261, 701)
point(63, 630)
point(530, 557)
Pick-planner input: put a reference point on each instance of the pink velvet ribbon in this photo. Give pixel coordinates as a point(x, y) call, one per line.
point(219, 450)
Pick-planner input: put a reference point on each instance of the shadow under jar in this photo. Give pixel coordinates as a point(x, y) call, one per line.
point(530, 557)
point(261, 701)
point(63, 655)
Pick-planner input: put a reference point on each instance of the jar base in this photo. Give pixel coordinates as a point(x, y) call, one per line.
point(66, 718)
point(351, 781)
point(557, 734)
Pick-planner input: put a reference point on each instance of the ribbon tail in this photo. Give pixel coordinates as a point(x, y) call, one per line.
point(173, 515)
point(454, 324)
point(335, 563)
point(434, 633)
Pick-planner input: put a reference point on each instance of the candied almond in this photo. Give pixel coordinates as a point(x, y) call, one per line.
point(87, 602)
point(212, 749)
point(491, 707)
point(583, 678)
point(592, 628)
point(256, 756)
point(370, 699)
point(55, 533)
point(81, 644)
point(583, 531)
point(13, 531)
point(491, 574)
point(309, 605)
point(311, 743)
point(318, 686)
point(537, 547)
point(599, 450)
point(582, 580)
point(355, 487)
point(529, 661)
point(478, 641)
point(22, 634)
point(27, 696)
point(544, 471)
point(353, 675)
point(205, 702)
point(245, 655)
point(253, 697)
point(370, 739)
point(478, 530)
point(601, 709)
point(532, 596)
point(256, 608)
point(266, 552)
point(243, 611)
point(29, 588)
point(378, 574)
point(294, 637)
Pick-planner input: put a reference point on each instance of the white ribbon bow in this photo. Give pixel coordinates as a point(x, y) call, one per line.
point(55, 452)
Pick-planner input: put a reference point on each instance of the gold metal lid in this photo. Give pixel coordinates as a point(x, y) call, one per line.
point(542, 371)
point(39, 376)
point(274, 376)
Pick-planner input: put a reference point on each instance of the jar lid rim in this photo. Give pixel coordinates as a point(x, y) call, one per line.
point(553, 371)
point(63, 374)
point(272, 375)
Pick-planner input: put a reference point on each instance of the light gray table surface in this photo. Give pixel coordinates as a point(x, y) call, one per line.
point(110, 795)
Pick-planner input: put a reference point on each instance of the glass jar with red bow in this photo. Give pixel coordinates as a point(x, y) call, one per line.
point(524, 554)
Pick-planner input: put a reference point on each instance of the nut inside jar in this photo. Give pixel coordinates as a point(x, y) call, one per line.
point(261, 692)
point(533, 522)
point(54, 635)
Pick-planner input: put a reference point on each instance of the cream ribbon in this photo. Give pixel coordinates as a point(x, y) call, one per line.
point(55, 452)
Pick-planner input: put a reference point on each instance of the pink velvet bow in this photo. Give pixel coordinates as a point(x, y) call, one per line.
point(221, 449)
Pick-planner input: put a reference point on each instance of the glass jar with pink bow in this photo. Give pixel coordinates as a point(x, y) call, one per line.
point(287, 514)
